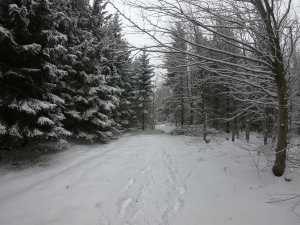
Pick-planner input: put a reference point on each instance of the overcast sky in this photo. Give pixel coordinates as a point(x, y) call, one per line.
point(140, 40)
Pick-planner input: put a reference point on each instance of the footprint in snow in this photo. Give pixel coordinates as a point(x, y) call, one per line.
point(125, 204)
point(131, 181)
point(181, 190)
point(99, 205)
point(178, 205)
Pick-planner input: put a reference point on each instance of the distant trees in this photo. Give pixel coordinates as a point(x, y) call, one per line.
point(65, 70)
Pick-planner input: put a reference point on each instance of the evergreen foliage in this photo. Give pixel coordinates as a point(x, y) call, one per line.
point(29, 106)
point(65, 70)
point(143, 73)
point(89, 99)
point(177, 78)
point(118, 62)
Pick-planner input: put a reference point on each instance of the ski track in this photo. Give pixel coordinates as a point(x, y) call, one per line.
point(152, 195)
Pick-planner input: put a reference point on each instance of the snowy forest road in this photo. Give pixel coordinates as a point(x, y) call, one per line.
point(129, 181)
point(152, 193)
point(145, 179)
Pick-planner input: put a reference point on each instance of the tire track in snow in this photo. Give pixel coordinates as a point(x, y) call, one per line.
point(152, 195)
point(178, 187)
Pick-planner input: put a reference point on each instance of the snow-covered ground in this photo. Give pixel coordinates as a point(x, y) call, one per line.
point(167, 127)
point(146, 179)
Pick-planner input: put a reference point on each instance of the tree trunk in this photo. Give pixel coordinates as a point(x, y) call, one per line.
point(237, 127)
point(248, 128)
point(205, 133)
point(143, 121)
point(189, 97)
point(204, 109)
point(228, 111)
point(182, 112)
point(153, 113)
point(282, 134)
point(233, 130)
point(182, 102)
point(192, 114)
point(266, 126)
point(265, 10)
point(234, 121)
point(216, 110)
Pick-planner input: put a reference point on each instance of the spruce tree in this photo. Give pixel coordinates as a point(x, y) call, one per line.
point(177, 76)
point(29, 43)
point(143, 93)
point(119, 70)
point(89, 99)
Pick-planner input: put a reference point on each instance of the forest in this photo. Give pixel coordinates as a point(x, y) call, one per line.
point(232, 66)
point(66, 70)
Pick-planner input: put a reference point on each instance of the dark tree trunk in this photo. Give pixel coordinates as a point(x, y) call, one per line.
point(273, 39)
point(182, 101)
point(228, 111)
point(234, 121)
point(143, 121)
point(233, 130)
point(248, 124)
point(216, 110)
point(192, 113)
point(282, 132)
point(237, 127)
point(182, 112)
point(266, 125)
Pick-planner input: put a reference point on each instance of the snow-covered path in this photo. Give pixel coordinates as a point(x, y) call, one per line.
point(152, 194)
point(145, 179)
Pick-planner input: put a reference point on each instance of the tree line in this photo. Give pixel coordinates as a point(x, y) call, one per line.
point(66, 70)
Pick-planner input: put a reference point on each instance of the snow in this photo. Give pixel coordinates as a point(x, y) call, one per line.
point(31, 106)
point(289, 177)
point(88, 113)
point(80, 99)
point(35, 48)
point(62, 131)
point(27, 108)
point(56, 99)
point(167, 128)
point(75, 114)
point(2, 129)
point(146, 179)
point(11, 6)
point(14, 131)
point(44, 120)
point(37, 132)
point(100, 123)
point(4, 31)
point(93, 90)
point(109, 106)
point(55, 37)
point(86, 136)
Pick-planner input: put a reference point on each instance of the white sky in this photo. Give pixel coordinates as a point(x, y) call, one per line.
point(136, 39)
point(139, 40)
